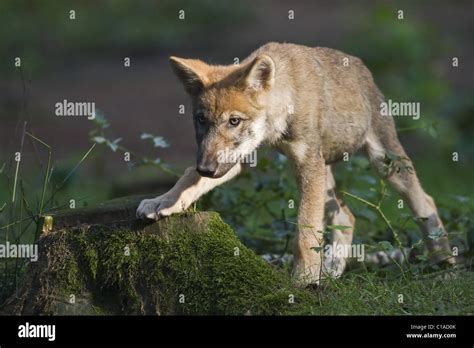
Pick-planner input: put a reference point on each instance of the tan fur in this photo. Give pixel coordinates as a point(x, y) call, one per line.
point(309, 105)
point(337, 213)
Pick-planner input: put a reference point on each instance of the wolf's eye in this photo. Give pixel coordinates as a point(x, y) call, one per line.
point(234, 121)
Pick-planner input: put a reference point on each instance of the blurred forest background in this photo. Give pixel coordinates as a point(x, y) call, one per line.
point(82, 59)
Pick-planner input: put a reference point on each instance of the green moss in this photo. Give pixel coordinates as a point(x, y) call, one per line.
point(88, 252)
point(214, 273)
point(63, 268)
point(186, 264)
point(73, 277)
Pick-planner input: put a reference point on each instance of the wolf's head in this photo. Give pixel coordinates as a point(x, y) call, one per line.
point(229, 109)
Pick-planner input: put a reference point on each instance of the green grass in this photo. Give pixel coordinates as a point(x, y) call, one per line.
point(368, 294)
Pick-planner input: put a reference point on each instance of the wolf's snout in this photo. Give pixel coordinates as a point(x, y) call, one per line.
point(208, 170)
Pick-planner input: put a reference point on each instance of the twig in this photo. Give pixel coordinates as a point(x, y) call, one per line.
point(18, 163)
point(377, 208)
point(45, 183)
point(73, 170)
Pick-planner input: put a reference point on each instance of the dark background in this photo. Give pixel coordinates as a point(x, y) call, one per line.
point(82, 60)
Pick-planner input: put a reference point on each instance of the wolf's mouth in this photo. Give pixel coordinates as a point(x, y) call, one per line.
point(214, 172)
point(205, 172)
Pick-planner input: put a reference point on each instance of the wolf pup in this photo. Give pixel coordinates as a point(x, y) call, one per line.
point(313, 104)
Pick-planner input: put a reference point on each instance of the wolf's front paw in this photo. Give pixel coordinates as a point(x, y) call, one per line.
point(334, 266)
point(304, 276)
point(155, 208)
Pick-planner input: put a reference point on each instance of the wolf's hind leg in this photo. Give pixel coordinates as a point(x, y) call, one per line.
point(336, 213)
point(383, 140)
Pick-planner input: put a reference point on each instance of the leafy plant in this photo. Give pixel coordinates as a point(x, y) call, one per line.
point(99, 135)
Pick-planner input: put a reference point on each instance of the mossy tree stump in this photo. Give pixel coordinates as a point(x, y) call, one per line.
point(103, 261)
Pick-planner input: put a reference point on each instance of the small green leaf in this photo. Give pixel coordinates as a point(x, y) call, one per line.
point(423, 219)
point(436, 233)
point(99, 140)
point(100, 120)
point(417, 244)
point(160, 142)
point(338, 227)
point(113, 145)
point(386, 245)
point(422, 257)
point(391, 157)
point(317, 249)
point(432, 131)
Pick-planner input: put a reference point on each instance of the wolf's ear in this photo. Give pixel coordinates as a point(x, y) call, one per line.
point(190, 72)
point(260, 74)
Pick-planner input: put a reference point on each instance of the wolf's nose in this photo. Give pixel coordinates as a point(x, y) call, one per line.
point(206, 170)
